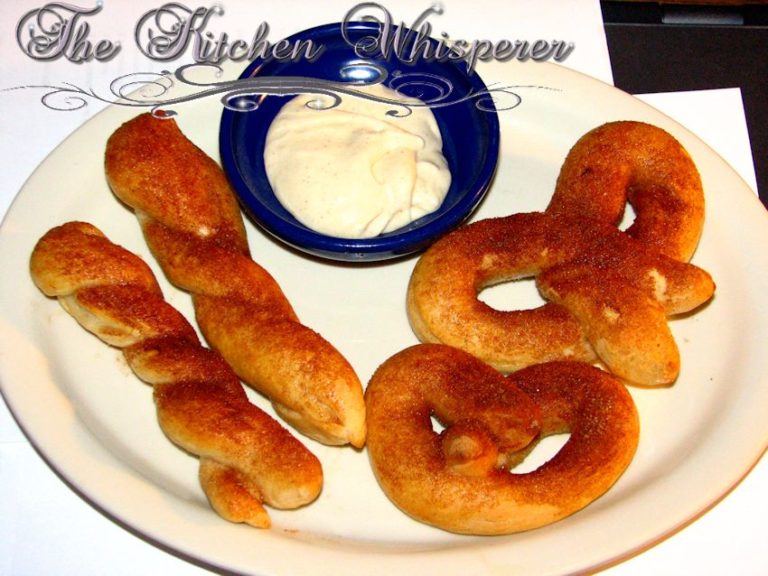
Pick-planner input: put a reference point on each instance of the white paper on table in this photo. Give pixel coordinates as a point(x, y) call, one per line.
point(717, 118)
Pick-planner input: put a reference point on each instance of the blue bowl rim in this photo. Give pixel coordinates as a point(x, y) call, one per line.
point(389, 245)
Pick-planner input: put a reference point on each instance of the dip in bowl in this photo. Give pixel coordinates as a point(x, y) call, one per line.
point(458, 99)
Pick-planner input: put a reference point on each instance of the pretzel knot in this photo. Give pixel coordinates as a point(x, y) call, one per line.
point(608, 292)
point(246, 457)
point(193, 226)
point(461, 479)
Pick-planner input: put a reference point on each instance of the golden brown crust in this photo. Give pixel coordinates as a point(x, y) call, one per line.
point(442, 295)
point(608, 292)
point(608, 296)
point(246, 457)
point(193, 226)
point(91, 261)
point(643, 164)
point(451, 480)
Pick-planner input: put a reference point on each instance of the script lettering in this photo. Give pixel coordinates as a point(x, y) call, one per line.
point(59, 30)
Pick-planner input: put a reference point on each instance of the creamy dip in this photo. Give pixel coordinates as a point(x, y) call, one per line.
point(353, 171)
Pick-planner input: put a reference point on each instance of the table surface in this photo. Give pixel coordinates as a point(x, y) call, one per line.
point(50, 528)
point(648, 55)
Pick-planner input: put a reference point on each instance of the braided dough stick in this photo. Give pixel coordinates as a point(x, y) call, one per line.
point(194, 228)
point(460, 480)
point(246, 457)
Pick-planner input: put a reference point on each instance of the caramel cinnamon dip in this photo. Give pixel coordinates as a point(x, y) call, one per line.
point(364, 167)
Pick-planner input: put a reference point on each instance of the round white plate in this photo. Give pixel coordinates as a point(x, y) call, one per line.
point(95, 423)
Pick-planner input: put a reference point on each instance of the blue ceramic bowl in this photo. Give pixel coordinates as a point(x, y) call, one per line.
point(467, 120)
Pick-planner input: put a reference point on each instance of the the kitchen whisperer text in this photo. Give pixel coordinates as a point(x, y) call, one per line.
point(58, 30)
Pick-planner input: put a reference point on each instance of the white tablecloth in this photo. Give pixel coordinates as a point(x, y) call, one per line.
point(48, 529)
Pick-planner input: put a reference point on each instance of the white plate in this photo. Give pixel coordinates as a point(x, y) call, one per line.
point(95, 423)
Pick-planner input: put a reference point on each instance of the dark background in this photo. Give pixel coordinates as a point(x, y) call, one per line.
point(660, 47)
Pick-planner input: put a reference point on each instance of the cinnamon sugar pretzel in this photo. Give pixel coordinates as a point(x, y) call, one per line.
point(246, 457)
point(193, 226)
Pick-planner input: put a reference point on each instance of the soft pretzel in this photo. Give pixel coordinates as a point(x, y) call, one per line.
point(645, 165)
point(246, 457)
point(192, 223)
point(442, 294)
point(608, 292)
point(460, 479)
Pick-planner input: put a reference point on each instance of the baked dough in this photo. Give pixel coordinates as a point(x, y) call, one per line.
point(608, 292)
point(246, 457)
point(644, 165)
point(193, 226)
point(460, 479)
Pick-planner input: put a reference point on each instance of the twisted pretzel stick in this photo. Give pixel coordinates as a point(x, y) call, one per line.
point(194, 228)
point(246, 456)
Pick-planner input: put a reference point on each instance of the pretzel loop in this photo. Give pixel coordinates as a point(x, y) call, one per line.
point(608, 292)
point(460, 479)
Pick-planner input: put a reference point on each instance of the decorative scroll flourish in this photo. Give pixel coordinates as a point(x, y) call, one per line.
point(153, 90)
point(137, 89)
